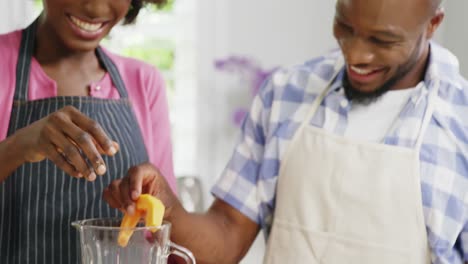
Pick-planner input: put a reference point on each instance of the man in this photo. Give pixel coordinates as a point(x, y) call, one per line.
point(355, 157)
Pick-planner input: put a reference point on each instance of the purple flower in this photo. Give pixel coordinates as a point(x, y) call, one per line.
point(247, 70)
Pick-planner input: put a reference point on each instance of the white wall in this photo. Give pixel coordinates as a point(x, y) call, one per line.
point(15, 14)
point(455, 31)
point(279, 32)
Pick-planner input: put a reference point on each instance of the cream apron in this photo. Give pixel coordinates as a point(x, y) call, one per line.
point(341, 201)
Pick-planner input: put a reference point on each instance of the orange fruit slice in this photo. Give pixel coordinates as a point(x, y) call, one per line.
point(154, 209)
point(126, 231)
point(147, 205)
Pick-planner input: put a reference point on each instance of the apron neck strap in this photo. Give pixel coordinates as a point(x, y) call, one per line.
point(431, 102)
point(23, 66)
point(321, 96)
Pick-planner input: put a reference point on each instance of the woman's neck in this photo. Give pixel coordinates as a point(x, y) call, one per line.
point(72, 70)
point(51, 50)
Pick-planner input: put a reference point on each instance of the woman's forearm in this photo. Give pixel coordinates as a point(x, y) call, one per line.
point(10, 157)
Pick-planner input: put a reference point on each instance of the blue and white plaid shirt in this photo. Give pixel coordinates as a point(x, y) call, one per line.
point(249, 181)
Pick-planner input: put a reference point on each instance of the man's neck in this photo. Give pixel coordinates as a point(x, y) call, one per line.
point(417, 73)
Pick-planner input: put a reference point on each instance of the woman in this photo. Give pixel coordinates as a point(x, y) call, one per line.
point(75, 117)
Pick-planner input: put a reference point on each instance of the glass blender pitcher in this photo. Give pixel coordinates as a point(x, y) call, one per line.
point(98, 240)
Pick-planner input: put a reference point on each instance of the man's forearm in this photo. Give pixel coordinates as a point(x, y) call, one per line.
point(205, 236)
point(10, 158)
point(212, 237)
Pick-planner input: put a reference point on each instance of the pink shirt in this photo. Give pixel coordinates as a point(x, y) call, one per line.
point(145, 87)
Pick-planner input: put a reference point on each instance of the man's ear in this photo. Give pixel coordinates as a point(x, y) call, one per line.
point(435, 22)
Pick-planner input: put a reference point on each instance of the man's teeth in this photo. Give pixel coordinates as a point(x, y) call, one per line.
point(361, 71)
point(85, 25)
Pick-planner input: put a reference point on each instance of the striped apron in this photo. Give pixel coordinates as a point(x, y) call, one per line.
point(39, 201)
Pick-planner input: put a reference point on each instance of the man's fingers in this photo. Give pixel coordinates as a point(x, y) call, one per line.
point(128, 203)
point(123, 193)
point(141, 179)
point(136, 185)
point(109, 198)
point(114, 189)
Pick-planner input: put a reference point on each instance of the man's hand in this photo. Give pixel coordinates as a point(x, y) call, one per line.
point(141, 179)
point(221, 235)
point(68, 138)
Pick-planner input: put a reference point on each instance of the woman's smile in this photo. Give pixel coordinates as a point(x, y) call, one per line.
point(86, 29)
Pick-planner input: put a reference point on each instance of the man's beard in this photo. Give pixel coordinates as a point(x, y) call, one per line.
point(367, 98)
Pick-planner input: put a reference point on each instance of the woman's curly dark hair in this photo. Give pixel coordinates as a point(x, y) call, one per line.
point(135, 7)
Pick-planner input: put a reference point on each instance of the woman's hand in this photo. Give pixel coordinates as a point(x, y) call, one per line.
point(141, 179)
point(68, 138)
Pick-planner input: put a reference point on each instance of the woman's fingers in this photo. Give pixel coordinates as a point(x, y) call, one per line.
point(59, 160)
point(88, 138)
point(85, 143)
point(72, 154)
point(94, 129)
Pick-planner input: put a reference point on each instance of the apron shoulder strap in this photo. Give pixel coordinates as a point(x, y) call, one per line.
point(23, 66)
point(111, 68)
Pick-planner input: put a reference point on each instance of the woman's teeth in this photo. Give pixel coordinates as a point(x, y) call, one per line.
point(361, 71)
point(90, 27)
